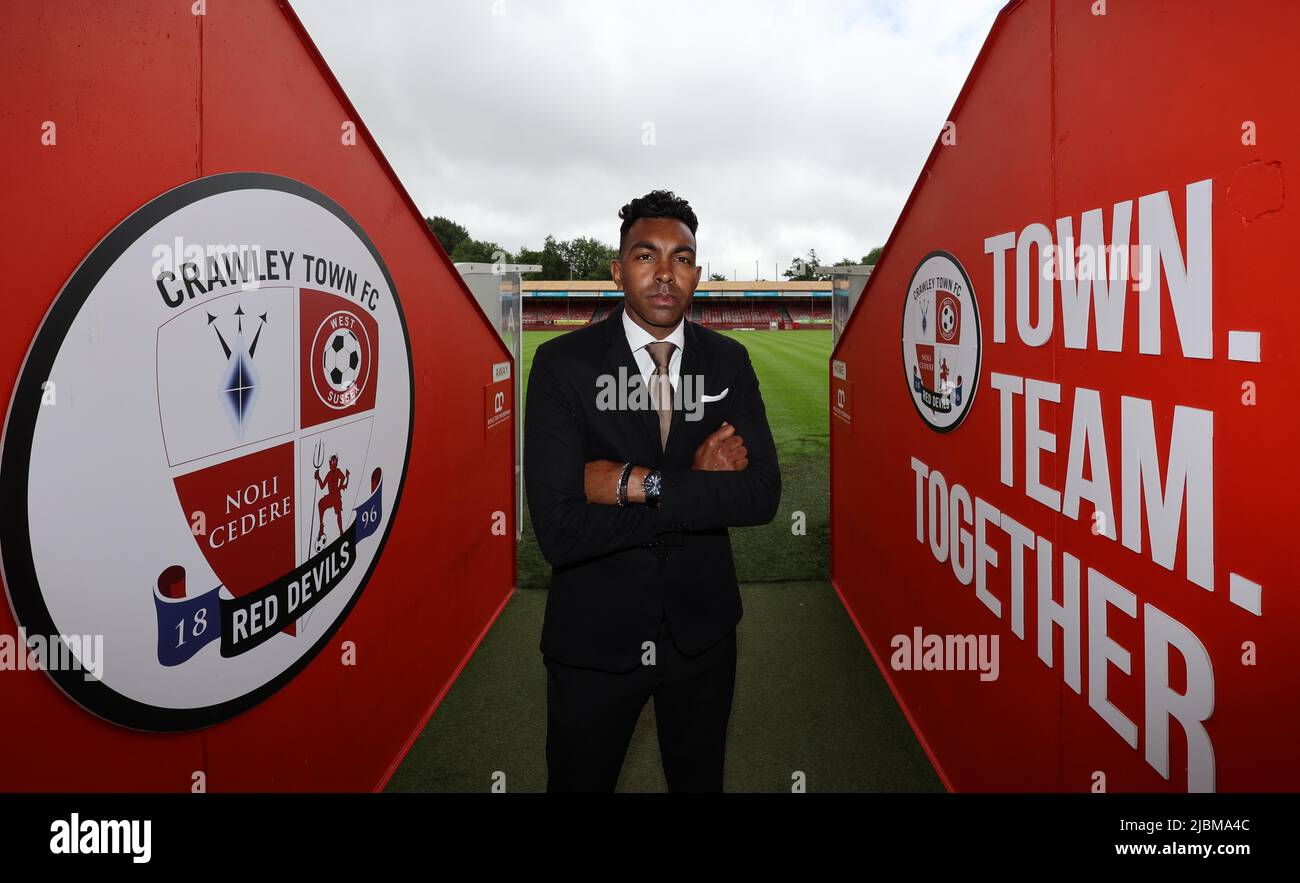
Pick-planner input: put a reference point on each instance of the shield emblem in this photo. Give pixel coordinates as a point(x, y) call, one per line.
point(925, 362)
point(267, 412)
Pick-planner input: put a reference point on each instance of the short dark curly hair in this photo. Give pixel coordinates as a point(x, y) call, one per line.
point(656, 204)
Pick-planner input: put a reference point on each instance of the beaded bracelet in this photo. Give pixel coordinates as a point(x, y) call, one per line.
point(620, 492)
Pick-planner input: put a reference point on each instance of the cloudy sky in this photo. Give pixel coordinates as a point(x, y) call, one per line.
point(788, 125)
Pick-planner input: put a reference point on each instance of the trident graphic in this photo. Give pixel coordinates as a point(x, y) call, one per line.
point(318, 460)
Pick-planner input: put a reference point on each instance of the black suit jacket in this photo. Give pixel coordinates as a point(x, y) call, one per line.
point(617, 572)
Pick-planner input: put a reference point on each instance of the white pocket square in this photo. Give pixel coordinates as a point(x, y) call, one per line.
point(705, 397)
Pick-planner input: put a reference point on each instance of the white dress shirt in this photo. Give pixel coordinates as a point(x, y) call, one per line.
point(638, 337)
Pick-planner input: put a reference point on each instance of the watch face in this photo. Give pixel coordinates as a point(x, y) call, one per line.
point(651, 484)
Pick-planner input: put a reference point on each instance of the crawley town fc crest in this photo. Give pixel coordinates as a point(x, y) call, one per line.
point(941, 341)
point(206, 447)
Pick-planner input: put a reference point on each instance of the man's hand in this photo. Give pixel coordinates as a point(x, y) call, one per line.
point(723, 451)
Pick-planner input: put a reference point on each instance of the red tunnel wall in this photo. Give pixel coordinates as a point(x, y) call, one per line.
point(1064, 112)
point(147, 96)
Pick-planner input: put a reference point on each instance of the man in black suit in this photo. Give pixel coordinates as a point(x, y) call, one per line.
point(645, 438)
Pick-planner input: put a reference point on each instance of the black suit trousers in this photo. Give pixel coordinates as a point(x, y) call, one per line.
point(591, 715)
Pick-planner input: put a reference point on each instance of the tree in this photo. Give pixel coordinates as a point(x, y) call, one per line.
point(554, 264)
point(580, 259)
point(873, 255)
point(525, 255)
point(479, 252)
point(588, 258)
point(717, 277)
point(801, 269)
point(449, 233)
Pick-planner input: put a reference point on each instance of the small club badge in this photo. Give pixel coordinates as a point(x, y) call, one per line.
point(941, 355)
point(341, 355)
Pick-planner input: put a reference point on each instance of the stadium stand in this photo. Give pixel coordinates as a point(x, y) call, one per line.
point(721, 305)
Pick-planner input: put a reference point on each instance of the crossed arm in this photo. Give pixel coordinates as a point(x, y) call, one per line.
point(734, 479)
point(722, 451)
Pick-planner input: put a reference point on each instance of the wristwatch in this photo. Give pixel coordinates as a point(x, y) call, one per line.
point(652, 487)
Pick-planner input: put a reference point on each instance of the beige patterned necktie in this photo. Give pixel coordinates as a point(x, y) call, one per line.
point(661, 387)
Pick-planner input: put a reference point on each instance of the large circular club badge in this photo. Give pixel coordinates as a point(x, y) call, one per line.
point(941, 341)
point(205, 450)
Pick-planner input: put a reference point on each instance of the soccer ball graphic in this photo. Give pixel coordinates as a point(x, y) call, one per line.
point(342, 360)
point(947, 319)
